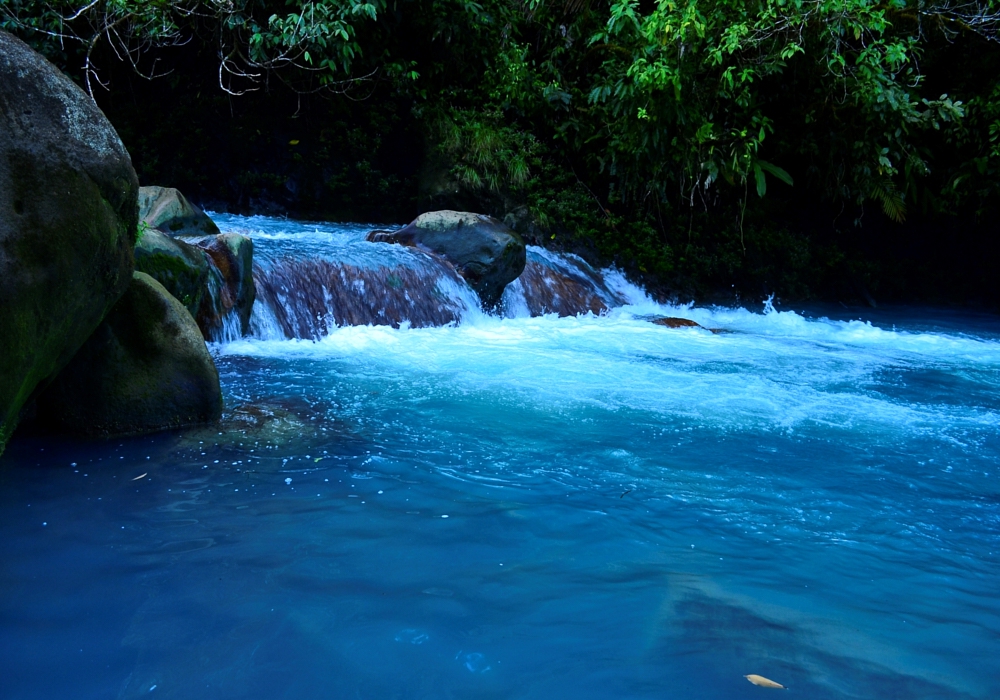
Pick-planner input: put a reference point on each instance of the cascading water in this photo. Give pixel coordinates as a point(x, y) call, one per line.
point(561, 284)
point(410, 498)
point(311, 279)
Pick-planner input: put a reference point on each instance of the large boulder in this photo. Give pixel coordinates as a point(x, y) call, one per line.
point(145, 369)
point(68, 220)
point(170, 211)
point(487, 254)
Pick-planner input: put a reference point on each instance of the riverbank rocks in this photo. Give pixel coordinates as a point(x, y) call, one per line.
point(68, 220)
point(145, 369)
point(183, 269)
point(487, 254)
point(232, 257)
point(165, 208)
point(211, 276)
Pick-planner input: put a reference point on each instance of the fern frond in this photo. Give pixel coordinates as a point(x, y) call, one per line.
point(890, 198)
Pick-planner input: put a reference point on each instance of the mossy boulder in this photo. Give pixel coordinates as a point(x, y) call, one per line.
point(486, 253)
point(182, 268)
point(145, 369)
point(165, 208)
point(68, 218)
point(211, 276)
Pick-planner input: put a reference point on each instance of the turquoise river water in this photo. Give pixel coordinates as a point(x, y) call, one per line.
point(528, 507)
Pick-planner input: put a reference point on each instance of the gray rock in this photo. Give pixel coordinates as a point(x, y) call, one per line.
point(165, 208)
point(182, 268)
point(211, 276)
point(486, 253)
point(145, 369)
point(68, 219)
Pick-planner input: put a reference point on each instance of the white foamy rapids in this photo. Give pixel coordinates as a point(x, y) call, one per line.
point(514, 303)
point(774, 372)
point(314, 278)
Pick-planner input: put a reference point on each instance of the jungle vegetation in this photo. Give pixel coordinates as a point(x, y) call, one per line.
point(817, 148)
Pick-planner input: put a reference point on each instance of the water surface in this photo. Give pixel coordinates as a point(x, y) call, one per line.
point(530, 507)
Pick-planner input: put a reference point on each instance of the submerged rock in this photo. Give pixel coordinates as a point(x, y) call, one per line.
point(675, 322)
point(145, 369)
point(165, 208)
point(68, 219)
point(547, 291)
point(307, 298)
point(254, 425)
point(563, 285)
point(486, 253)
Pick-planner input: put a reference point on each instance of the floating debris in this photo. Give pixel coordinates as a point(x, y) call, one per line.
point(140, 476)
point(763, 682)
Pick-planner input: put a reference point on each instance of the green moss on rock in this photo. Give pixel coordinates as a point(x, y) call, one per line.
point(180, 267)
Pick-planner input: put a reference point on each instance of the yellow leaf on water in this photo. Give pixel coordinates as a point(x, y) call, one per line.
point(293, 142)
point(140, 476)
point(762, 682)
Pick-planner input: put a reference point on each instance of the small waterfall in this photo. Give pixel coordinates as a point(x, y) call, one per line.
point(562, 284)
point(230, 328)
point(307, 298)
point(313, 278)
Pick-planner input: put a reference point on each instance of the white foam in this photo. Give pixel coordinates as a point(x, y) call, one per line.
point(770, 370)
point(756, 378)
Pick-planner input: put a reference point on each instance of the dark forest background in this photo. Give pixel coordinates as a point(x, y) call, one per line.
point(717, 150)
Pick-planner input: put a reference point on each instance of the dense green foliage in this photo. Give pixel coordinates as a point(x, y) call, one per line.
point(702, 142)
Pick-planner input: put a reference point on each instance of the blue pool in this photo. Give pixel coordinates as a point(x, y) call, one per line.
point(528, 507)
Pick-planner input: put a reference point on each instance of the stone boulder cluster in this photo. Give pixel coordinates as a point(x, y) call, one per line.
point(108, 291)
point(98, 334)
point(209, 272)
